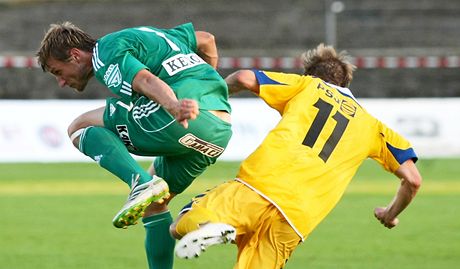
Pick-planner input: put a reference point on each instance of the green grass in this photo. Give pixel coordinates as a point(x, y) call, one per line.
point(59, 216)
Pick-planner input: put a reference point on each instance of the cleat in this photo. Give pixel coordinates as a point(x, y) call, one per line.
point(140, 197)
point(196, 242)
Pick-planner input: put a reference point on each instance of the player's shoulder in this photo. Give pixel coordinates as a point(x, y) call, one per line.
point(277, 78)
point(127, 33)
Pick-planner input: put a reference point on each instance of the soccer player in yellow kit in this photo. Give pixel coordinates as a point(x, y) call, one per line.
point(288, 185)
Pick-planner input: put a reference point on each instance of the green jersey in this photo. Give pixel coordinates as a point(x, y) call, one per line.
point(170, 54)
point(144, 126)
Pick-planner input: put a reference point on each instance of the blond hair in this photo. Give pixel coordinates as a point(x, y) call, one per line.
point(58, 41)
point(324, 62)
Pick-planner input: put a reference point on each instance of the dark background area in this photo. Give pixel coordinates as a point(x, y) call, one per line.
point(252, 28)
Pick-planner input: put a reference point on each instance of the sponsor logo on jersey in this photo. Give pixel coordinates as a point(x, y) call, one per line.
point(181, 62)
point(204, 147)
point(124, 136)
point(112, 109)
point(346, 106)
point(112, 77)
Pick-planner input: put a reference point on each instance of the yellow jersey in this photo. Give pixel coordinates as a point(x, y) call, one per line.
point(306, 162)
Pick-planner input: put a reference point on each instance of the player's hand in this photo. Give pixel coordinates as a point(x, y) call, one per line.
point(187, 110)
point(381, 214)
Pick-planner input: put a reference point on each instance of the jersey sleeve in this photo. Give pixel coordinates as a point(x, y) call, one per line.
point(119, 74)
point(393, 149)
point(276, 89)
point(184, 33)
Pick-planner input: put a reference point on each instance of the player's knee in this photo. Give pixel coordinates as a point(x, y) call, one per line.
point(74, 136)
point(83, 121)
point(76, 128)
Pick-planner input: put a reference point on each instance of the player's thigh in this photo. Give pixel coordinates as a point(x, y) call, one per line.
point(269, 247)
point(91, 118)
point(179, 171)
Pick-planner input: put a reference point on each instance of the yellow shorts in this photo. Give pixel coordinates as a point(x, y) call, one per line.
point(264, 238)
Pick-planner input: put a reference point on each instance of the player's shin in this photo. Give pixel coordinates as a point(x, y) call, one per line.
point(104, 147)
point(159, 245)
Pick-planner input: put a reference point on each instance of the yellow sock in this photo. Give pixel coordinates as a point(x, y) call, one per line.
point(192, 220)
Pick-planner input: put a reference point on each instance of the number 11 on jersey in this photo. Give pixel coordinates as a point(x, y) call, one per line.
point(318, 124)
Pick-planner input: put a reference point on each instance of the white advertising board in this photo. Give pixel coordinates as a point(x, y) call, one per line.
point(36, 131)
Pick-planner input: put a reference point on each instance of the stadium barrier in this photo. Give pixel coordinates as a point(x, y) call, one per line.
point(290, 62)
point(35, 130)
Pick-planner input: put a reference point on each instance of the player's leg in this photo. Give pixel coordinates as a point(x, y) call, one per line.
point(270, 244)
point(199, 146)
point(88, 134)
point(87, 119)
point(107, 149)
point(199, 229)
point(179, 172)
point(159, 244)
point(264, 238)
point(209, 234)
point(213, 218)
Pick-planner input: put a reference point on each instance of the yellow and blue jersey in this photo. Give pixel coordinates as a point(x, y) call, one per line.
point(306, 162)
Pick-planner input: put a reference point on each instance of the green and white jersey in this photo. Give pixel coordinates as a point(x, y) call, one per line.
point(169, 54)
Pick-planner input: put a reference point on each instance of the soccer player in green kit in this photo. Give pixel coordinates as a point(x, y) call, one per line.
point(171, 103)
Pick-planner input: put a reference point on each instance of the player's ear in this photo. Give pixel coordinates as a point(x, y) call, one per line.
point(74, 54)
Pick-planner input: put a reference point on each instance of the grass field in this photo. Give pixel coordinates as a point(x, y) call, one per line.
point(59, 216)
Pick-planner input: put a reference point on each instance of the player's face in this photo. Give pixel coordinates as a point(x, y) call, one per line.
point(71, 73)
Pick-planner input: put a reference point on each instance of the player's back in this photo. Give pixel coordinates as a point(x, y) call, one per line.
point(306, 162)
point(169, 54)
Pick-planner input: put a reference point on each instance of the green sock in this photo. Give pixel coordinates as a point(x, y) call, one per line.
point(103, 146)
point(159, 244)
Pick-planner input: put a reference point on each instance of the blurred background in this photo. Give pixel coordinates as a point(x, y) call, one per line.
point(402, 48)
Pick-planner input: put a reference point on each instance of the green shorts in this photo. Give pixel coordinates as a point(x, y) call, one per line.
point(182, 154)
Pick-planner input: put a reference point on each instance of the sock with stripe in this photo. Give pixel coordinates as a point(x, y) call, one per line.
point(103, 146)
point(159, 244)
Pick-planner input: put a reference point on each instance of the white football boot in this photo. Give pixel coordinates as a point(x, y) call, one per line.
point(140, 197)
point(196, 242)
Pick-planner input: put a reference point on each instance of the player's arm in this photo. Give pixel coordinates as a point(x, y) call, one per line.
point(410, 183)
point(207, 48)
point(157, 90)
point(242, 80)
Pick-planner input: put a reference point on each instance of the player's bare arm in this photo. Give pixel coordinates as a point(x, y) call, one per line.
point(410, 183)
point(157, 90)
point(242, 80)
point(206, 48)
